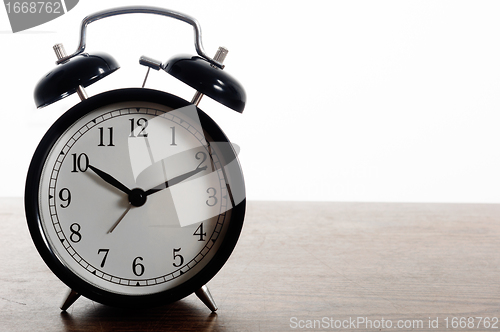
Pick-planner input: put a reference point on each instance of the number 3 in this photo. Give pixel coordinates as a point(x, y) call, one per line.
point(211, 196)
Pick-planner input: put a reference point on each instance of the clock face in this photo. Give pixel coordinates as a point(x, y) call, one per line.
point(133, 198)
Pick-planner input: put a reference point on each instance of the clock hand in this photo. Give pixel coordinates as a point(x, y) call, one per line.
point(121, 218)
point(111, 180)
point(174, 181)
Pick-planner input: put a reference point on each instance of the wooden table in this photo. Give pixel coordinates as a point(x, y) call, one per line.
point(296, 265)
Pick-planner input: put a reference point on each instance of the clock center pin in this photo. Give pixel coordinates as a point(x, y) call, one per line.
point(137, 197)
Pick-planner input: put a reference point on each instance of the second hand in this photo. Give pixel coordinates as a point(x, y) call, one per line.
point(121, 217)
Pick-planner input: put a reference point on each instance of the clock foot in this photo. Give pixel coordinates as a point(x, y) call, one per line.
point(204, 295)
point(70, 299)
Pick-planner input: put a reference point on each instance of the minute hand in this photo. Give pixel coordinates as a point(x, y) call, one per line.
point(174, 181)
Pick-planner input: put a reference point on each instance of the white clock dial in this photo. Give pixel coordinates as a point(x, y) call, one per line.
point(125, 247)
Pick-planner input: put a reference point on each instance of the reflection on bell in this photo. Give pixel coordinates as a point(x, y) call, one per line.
point(82, 70)
point(203, 77)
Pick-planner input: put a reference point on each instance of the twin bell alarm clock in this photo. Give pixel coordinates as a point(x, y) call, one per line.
point(135, 197)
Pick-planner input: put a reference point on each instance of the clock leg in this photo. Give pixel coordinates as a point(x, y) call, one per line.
point(70, 299)
point(204, 295)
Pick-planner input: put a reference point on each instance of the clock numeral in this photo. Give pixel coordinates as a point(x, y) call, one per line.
point(173, 136)
point(141, 122)
point(138, 268)
point(199, 232)
point(211, 196)
point(101, 136)
point(75, 233)
point(105, 251)
point(65, 197)
point(176, 255)
point(80, 162)
point(203, 157)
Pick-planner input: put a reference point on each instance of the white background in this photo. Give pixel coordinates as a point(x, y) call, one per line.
point(347, 100)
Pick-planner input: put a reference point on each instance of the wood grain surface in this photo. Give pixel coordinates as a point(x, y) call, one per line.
point(297, 264)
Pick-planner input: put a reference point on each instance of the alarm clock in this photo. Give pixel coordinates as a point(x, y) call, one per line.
point(135, 197)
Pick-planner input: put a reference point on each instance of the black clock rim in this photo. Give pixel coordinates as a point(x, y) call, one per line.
point(65, 274)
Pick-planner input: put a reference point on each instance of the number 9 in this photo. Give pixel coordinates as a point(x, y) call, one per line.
point(65, 198)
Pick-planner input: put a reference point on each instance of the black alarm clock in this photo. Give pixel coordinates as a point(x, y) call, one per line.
point(135, 197)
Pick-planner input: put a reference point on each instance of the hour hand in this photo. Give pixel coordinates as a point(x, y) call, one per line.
point(175, 180)
point(111, 180)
